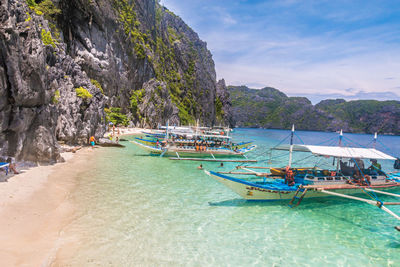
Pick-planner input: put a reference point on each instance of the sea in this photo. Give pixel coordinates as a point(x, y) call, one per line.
point(134, 209)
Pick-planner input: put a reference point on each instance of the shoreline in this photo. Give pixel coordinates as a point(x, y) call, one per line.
point(126, 131)
point(35, 207)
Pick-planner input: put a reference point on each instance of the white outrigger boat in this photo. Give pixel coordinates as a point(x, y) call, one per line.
point(297, 183)
point(195, 143)
point(199, 146)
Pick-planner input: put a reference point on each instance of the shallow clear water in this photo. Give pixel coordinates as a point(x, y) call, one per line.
point(140, 210)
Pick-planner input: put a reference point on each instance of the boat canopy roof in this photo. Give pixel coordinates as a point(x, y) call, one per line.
point(339, 152)
point(211, 136)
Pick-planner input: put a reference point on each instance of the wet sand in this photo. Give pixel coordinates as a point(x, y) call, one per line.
point(35, 207)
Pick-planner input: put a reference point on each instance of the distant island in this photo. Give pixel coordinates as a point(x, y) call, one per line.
point(270, 108)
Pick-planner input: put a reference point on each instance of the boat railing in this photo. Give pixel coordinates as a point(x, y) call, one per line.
point(326, 178)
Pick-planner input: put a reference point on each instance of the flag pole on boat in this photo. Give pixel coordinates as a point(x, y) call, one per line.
point(340, 144)
point(291, 146)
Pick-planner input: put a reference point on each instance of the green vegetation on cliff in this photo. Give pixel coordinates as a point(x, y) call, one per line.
point(47, 39)
point(136, 99)
point(159, 47)
point(115, 116)
point(97, 84)
point(50, 12)
point(83, 93)
point(131, 26)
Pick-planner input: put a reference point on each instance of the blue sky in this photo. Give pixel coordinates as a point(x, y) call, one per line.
point(318, 49)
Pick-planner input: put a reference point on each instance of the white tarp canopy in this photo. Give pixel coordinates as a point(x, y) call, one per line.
point(339, 152)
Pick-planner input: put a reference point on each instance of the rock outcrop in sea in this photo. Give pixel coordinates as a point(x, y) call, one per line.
point(270, 108)
point(69, 66)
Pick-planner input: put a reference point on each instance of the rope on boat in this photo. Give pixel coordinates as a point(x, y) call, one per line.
point(387, 148)
point(298, 137)
point(300, 160)
point(354, 142)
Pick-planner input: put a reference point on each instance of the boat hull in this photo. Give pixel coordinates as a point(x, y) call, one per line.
point(191, 152)
point(251, 191)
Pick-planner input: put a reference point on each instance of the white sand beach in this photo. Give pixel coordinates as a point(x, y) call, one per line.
point(34, 209)
point(126, 131)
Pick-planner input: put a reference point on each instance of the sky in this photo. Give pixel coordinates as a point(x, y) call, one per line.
point(314, 48)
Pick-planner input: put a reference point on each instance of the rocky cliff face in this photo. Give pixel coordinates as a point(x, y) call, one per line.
point(270, 108)
point(63, 62)
point(39, 102)
point(224, 105)
point(125, 44)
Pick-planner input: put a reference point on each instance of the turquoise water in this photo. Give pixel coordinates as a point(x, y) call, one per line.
point(139, 210)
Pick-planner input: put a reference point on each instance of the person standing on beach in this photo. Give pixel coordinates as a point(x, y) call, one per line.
point(110, 124)
point(118, 133)
point(92, 141)
point(12, 166)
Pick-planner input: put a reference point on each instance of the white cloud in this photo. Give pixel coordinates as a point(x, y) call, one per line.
point(281, 44)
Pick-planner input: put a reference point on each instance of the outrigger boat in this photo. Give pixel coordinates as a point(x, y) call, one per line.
point(297, 183)
point(192, 145)
point(199, 146)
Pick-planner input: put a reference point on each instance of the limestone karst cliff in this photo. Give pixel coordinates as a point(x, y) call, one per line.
point(68, 66)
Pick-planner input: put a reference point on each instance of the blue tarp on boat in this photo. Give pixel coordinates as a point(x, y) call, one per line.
point(270, 186)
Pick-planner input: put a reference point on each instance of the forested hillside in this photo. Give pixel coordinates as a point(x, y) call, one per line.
point(270, 108)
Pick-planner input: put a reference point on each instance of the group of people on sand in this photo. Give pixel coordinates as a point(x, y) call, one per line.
point(115, 132)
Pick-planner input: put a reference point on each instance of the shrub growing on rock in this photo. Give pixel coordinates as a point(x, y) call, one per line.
point(83, 93)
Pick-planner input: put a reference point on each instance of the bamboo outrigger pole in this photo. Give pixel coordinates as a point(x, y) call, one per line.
point(372, 202)
point(382, 192)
